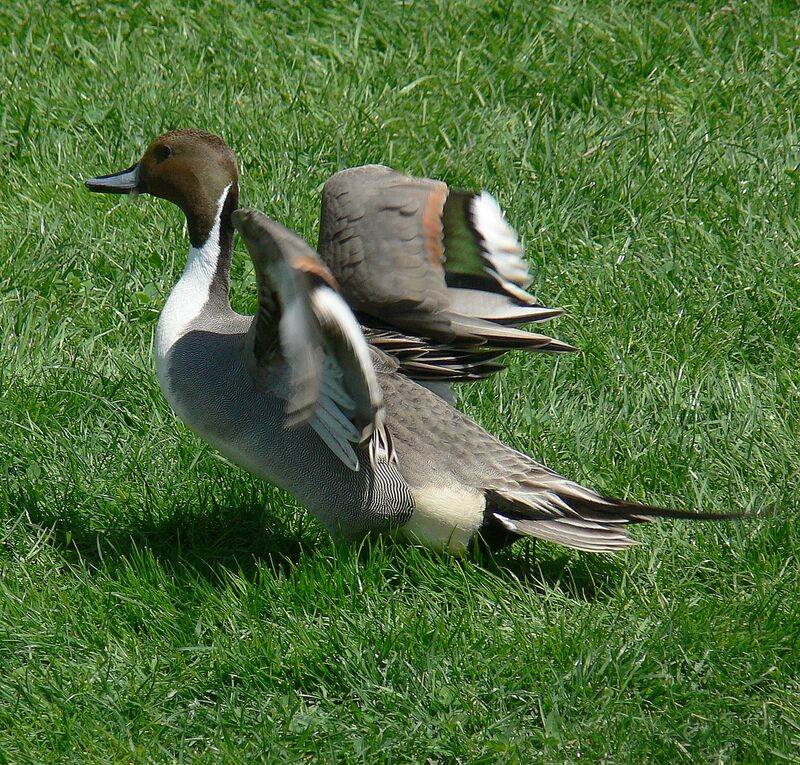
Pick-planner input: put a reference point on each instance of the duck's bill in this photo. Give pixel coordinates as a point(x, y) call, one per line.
point(126, 182)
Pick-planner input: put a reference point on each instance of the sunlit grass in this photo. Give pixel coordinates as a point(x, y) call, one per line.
point(158, 605)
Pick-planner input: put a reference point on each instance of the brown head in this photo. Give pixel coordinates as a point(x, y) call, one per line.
point(190, 168)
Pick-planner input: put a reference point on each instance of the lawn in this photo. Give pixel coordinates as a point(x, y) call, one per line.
point(158, 605)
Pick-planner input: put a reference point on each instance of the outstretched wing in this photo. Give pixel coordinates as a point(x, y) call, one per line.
point(415, 258)
point(303, 321)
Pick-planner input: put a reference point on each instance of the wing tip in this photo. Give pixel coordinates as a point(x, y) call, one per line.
point(266, 239)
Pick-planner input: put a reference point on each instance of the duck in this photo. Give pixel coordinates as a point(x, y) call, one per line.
point(339, 389)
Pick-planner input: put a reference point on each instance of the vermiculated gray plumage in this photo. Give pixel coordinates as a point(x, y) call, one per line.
point(334, 413)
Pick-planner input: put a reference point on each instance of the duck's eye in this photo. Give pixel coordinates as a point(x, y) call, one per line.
point(163, 152)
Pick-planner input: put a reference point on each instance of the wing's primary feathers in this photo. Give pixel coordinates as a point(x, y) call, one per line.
point(332, 383)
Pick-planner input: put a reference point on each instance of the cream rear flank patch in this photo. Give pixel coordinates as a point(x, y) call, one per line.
point(445, 517)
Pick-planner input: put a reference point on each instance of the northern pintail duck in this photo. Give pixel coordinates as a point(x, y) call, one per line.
point(337, 390)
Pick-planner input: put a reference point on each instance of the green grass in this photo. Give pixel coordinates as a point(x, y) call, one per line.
point(153, 610)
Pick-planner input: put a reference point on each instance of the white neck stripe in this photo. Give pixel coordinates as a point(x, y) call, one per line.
point(188, 296)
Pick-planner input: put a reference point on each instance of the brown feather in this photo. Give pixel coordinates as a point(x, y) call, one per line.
point(432, 226)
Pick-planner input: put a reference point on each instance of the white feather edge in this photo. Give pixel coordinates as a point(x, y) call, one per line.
point(329, 421)
point(581, 536)
point(502, 246)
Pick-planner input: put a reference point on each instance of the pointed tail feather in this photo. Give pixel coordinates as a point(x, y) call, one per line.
point(633, 512)
point(581, 521)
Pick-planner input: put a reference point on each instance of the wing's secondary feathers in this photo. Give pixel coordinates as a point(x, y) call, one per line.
point(480, 243)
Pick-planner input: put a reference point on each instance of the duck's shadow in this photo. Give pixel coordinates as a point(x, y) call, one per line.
point(247, 538)
point(579, 576)
point(237, 539)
